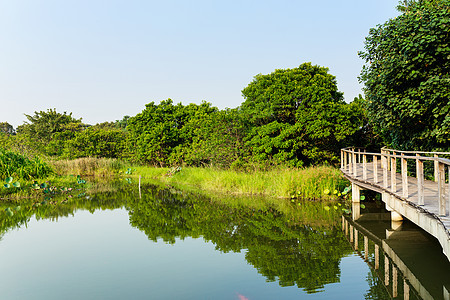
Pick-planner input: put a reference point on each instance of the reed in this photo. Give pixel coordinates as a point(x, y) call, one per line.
point(307, 183)
point(88, 166)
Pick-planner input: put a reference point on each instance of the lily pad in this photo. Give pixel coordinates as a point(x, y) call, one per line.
point(9, 180)
point(16, 184)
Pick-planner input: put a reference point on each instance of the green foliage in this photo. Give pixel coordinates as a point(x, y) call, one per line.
point(161, 134)
point(219, 141)
point(13, 164)
point(7, 128)
point(297, 116)
point(406, 76)
point(287, 250)
point(44, 124)
point(97, 141)
point(306, 183)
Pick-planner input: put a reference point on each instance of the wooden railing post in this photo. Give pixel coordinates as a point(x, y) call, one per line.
point(436, 168)
point(364, 166)
point(345, 160)
point(385, 172)
point(420, 181)
point(377, 257)
point(394, 281)
point(359, 155)
point(342, 159)
point(355, 173)
point(393, 175)
point(375, 168)
point(366, 248)
point(349, 155)
point(405, 289)
point(404, 176)
point(386, 270)
point(441, 188)
point(388, 161)
point(383, 160)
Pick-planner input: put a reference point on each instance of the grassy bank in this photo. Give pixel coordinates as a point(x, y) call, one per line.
point(308, 183)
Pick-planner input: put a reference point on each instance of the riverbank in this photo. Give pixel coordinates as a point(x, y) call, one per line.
point(321, 182)
point(307, 183)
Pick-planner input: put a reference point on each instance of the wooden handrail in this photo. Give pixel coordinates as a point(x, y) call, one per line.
point(419, 152)
point(428, 158)
point(351, 157)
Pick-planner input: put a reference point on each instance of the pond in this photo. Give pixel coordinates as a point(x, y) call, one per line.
point(169, 244)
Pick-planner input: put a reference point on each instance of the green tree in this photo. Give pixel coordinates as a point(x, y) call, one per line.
point(7, 128)
point(43, 125)
point(219, 140)
point(281, 249)
point(297, 116)
point(122, 123)
point(406, 76)
point(162, 134)
point(100, 140)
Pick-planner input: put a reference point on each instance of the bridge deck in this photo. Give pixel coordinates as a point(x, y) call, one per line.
point(431, 202)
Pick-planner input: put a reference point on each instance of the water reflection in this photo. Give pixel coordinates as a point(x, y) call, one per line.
point(301, 246)
point(408, 261)
point(282, 249)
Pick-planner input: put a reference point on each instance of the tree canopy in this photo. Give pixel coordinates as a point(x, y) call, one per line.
point(43, 125)
point(406, 76)
point(298, 116)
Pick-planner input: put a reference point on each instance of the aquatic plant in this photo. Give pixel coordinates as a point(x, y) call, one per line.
point(13, 164)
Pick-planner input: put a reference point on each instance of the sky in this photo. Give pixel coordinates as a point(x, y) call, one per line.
point(104, 59)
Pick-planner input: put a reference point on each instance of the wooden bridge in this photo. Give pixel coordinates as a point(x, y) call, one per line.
point(413, 185)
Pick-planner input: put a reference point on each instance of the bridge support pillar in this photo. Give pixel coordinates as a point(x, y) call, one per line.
point(356, 193)
point(395, 216)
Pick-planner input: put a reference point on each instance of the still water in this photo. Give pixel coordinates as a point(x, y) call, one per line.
point(171, 245)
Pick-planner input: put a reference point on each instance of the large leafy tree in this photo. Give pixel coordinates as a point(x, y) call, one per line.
point(219, 140)
point(7, 128)
point(97, 141)
point(162, 133)
point(406, 76)
point(43, 125)
point(298, 116)
point(281, 248)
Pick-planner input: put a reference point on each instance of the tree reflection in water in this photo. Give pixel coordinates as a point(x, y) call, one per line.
point(280, 248)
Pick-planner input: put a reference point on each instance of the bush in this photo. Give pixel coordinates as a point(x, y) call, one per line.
point(13, 164)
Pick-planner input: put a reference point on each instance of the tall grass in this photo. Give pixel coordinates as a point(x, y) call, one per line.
point(13, 164)
point(88, 166)
point(308, 183)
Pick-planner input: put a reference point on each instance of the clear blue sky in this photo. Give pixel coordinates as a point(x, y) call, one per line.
point(105, 59)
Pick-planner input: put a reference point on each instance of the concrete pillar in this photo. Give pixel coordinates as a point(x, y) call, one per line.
point(395, 225)
point(356, 193)
point(395, 216)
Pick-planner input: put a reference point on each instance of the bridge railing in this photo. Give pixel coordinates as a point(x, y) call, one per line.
point(385, 164)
